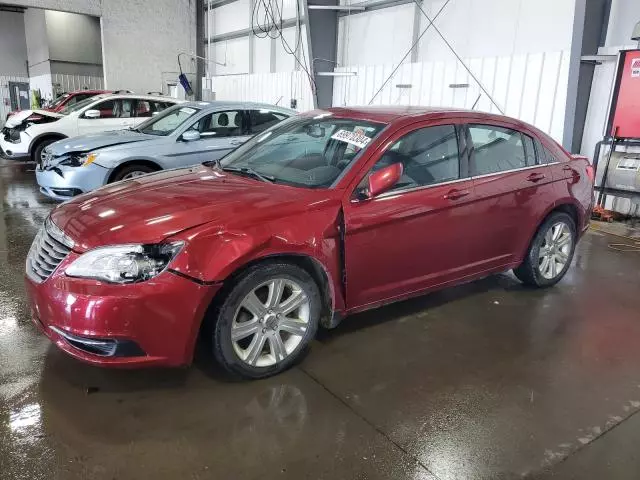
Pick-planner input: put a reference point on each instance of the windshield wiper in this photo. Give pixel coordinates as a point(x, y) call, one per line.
point(247, 171)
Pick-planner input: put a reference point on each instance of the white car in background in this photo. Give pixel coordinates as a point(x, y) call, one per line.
point(27, 133)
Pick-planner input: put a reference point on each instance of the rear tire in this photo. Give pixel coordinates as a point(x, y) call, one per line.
point(550, 253)
point(266, 321)
point(132, 171)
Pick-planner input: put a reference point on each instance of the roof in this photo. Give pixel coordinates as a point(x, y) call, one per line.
point(160, 98)
point(222, 104)
point(388, 114)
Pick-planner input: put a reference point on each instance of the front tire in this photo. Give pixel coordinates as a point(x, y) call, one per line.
point(38, 151)
point(267, 320)
point(550, 252)
point(132, 171)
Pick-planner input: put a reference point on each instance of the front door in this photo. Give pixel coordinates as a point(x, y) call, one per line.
point(419, 234)
point(115, 114)
point(220, 132)
point(19, 96)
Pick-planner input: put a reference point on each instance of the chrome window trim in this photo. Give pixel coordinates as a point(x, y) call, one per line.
point(509, 171)
point(392, 193)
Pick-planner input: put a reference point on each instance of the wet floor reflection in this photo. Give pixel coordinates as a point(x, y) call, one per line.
point(485, 380)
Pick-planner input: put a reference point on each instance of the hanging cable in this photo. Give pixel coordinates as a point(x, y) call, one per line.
point(266, 21)
point(384, 84)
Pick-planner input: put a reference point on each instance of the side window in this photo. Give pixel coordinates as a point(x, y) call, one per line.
point(551, 158)
point(146, 108)
point(73, 100)
point(496, 149)
point(120, 108)
point(221, 124)
point(530, 150)
point(428, 156)
point(80, 97)
point(264, 119)
point(107, 108)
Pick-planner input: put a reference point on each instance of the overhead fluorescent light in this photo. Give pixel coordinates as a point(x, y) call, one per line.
point(337, 74)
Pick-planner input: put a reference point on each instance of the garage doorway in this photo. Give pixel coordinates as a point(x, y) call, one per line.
point(19, 95)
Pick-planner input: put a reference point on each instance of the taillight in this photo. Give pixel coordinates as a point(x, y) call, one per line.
point(591, 173)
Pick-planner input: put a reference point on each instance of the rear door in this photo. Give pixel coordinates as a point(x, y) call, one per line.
point(220, 132)
point(416, 235)
point(115, 114)
point(512, 187)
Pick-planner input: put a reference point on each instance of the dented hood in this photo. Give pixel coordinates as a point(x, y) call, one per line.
point(153, 207)
point(18, 118)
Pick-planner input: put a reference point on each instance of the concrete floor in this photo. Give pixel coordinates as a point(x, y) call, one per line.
point(487, 380)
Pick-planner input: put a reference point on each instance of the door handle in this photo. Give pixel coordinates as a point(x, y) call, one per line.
point(236, 142)
point(456, 194)
point(124, 123)
point(536, 177)
point(567, 168)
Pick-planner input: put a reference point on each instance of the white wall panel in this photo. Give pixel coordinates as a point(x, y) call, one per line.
point(531, 87)
point(278, 87)
point(380, 36)
point(261, 55)
point(231, 17)
point(234, 53)
point(285, 62)
point(491, 28)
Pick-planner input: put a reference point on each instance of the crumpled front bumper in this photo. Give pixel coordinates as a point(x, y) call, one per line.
point(63, 183)
point(15, 150)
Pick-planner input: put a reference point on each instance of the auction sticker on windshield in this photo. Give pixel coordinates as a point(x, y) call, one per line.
point(354, 138)
point(188, 111)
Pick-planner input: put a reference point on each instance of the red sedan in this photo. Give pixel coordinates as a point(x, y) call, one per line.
point(326, 214)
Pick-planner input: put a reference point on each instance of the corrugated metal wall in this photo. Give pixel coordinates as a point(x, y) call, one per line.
point(530, 87)
point(271, 88)
point(70, 83)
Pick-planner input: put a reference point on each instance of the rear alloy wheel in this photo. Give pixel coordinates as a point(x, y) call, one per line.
point(267, 320)
point(550, 253)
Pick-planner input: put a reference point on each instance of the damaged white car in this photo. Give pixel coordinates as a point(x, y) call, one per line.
point(27, 133)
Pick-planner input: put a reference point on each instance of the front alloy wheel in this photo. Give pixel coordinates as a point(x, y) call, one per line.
point(270, 322)
point(266, 319)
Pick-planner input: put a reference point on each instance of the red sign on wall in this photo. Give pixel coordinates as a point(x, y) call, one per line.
point(625, 104)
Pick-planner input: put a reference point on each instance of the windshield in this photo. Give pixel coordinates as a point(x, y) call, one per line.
point(59, 100)
point(167, 121)
point(67, 109)
point(305, 151)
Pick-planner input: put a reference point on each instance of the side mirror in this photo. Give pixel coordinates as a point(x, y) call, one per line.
point(191, 136)
point(92, 114)
point(384, 179)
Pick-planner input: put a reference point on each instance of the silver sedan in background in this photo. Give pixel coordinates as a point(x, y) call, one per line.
point(179, 136)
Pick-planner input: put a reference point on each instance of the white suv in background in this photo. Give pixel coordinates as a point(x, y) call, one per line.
point(28, 132)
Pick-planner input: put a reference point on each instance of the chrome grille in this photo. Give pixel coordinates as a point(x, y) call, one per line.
point(47, 251)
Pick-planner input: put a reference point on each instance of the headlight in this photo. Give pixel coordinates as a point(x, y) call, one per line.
point(79, 160)
point(124, 263)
